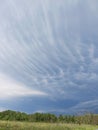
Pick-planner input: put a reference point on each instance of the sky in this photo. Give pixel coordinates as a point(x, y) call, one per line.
point(49, 56)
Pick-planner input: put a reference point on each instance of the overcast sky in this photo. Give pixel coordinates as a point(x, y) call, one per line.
point(49, 55)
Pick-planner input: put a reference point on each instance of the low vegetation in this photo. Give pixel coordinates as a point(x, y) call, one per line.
point(9, 115)
point(11, 125)
point(11, 120)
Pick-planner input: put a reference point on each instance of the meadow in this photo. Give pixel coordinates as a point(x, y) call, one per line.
point(14, 125)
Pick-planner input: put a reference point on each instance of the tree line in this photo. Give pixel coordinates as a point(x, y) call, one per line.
point(51, 118)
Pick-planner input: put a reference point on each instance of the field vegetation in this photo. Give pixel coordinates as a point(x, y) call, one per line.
point(14, 125)
point(11, 120)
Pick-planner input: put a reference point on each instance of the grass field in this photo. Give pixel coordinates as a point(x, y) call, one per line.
point(7, 125)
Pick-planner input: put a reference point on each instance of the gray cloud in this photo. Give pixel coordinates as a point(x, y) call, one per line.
point(51, 46)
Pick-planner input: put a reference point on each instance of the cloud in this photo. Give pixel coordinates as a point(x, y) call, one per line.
point(10, 89)
point(49, 47)
point(86, 106)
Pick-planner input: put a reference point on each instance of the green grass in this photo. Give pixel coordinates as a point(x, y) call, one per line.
point(8, 125)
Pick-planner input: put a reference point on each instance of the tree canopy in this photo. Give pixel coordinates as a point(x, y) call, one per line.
point(48, 117)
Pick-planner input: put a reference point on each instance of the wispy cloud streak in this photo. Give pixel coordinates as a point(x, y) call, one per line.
point(51, 47)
